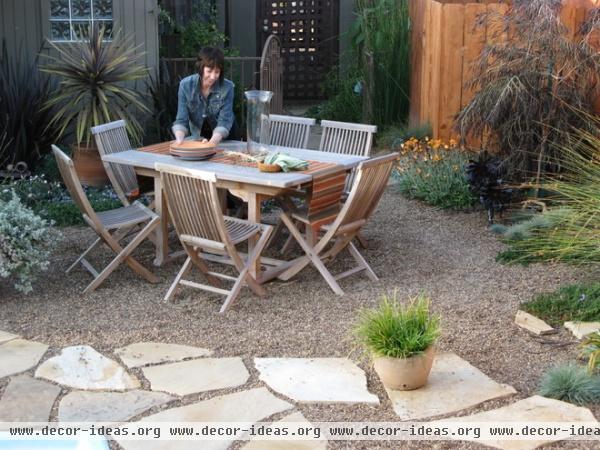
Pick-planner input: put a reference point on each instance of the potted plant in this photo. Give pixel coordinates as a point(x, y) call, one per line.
point(95, 87)
point(400, 339)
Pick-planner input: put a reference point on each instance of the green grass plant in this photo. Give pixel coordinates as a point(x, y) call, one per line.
point(395, 330)
point(574, 234)
point(590, 348)
point(577, 302)
point(570, 383)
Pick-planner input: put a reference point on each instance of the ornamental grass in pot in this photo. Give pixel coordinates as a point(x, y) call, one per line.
point(400, 339)
point(95, 87)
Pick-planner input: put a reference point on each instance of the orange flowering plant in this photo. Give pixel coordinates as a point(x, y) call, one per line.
point(432, 170)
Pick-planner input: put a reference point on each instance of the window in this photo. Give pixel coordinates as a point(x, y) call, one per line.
point(72, 19)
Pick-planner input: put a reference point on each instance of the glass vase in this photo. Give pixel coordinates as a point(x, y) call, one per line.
point(258, 126)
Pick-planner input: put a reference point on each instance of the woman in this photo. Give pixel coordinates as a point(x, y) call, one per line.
point(205, 102)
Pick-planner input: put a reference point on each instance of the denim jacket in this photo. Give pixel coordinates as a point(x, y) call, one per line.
point(193, 109)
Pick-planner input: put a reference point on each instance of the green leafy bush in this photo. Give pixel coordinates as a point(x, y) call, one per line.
point(432, 171)
point(343, 103)
point(25, 241)
point(590, 348)
point(577, 302)
point(397, 331)
point(52, 202)
point(570, 383)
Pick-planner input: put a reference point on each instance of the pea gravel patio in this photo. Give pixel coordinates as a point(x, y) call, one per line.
point(413, 248)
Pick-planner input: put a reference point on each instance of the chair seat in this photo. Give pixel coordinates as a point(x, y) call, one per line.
point(239, 230)
point(124, 216)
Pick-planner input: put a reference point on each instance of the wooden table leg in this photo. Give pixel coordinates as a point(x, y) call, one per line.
point(254, 200)
point(162, 231)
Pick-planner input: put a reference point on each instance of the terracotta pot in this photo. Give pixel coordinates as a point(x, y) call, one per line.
point(405, 374)
point(88, 165)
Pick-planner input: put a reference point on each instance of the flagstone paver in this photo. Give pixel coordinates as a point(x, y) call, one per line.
point(19, 355)
point(26, 399)
point(453, 385)
point(6, 336)
point(83, 406)
point(197, 375)
point(144, 353)
point(533, 324)
point(532, 409)
point(246, 406)
point(300, 420)
point(82, 367)
point(582, 329)
point(323, 380)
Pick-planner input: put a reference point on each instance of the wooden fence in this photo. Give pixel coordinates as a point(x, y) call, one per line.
point(447, 38)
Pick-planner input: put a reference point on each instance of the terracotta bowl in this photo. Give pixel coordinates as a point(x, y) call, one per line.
point(269, 167)
point(192, 146)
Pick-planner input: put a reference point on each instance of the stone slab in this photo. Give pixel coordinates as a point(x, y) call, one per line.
point(144, 353)
point(26, 399)
point(533, 324)
point(532, 409)
point(82, 367)
point(197, 375)
point(6, 336)
point(322, 380)
point(81, 406)
point(453, 385)
point(19, 355)
point(582, 329)
point(258, 444)
point(253, 405)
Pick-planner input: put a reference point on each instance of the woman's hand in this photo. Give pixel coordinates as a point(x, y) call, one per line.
point(216, 138)
point(179, 136)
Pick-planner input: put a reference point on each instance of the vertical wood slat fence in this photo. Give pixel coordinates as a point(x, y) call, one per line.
point(447, 38)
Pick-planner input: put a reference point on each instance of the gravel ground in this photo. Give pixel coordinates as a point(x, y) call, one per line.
point(413, 248)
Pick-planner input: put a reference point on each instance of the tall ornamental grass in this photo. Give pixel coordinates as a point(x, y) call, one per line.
point(382, 29)
point(574, 234)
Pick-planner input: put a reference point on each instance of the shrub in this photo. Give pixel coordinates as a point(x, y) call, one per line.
point(570, 383)
point(25, 240)
point(531, 87)
point(590, 348)
point(25, 133)
point(578, 302)
point(432, 171)
point(397, 331)
point(52, 202)
point(568, 231)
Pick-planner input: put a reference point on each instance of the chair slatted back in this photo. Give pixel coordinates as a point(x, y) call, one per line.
point(368, 187)
point(112, 138)
point(347, 138)
point(193, 202)
point(71, 181)
point(326, 192)
point(289, 131)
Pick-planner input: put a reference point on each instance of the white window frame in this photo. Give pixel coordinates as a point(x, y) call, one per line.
point(91, 21)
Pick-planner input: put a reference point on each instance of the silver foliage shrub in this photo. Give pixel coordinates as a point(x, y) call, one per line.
point(25, 242)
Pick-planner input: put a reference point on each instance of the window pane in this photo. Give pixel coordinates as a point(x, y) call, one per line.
point(108, 28)
point(59, 9)
point(61, 31)
point(102, 9)
point(81, 30)
point(81, 9)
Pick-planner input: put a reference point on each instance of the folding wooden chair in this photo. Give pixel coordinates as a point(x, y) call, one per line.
point(200, 224)
point(367, 189)
point(349, 139)
point(290, 131)
point(112, 138)
point(110, 226)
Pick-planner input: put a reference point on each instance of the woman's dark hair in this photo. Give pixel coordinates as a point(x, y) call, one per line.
point(212, 58)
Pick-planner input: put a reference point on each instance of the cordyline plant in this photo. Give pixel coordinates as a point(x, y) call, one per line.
point(533, 86)
point(93, 75)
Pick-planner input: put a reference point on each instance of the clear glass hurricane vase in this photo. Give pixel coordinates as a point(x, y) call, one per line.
point(258, 126)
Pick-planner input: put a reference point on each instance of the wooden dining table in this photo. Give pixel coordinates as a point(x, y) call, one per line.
point(255, 185)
